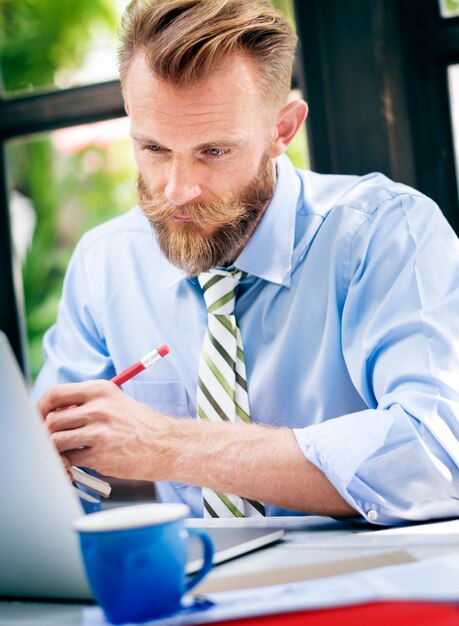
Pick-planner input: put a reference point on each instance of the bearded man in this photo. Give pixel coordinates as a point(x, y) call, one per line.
point(314, 352)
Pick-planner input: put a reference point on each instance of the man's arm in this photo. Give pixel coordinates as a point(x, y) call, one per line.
point(124, 438)
point(398, 459)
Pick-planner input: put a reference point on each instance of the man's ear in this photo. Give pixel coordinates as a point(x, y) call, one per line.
point(289, 121)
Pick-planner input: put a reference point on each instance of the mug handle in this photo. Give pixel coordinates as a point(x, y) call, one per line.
point(208, 555)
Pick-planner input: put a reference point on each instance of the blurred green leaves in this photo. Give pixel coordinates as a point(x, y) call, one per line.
point(38, 37)
point(450, 8)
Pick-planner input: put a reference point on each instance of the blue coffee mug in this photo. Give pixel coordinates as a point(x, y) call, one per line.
point(135, 559)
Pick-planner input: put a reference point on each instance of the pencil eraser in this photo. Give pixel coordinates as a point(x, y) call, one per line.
point(163, 350)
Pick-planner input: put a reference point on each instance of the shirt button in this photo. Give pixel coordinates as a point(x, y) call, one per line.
point(372, 515)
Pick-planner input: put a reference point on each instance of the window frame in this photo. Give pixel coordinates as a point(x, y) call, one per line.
point(375, 76)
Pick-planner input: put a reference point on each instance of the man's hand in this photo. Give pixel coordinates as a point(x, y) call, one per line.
point(105, 429)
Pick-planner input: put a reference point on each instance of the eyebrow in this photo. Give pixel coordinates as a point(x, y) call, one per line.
point(221, 143)
point(145, 139)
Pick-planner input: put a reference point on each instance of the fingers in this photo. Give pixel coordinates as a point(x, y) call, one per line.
point(80, 458)
point(70, 394)
point(68, 419)
point(66, 440)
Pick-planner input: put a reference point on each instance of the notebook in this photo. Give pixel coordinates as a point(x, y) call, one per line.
point(39, 552)
point(230, 543)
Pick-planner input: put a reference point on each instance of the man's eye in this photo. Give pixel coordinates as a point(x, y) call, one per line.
point(152, 148)
point(216, 152)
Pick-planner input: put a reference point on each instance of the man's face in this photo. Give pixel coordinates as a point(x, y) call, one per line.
point(205, 166)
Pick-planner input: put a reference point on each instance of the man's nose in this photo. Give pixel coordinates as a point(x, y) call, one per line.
point(182, 186)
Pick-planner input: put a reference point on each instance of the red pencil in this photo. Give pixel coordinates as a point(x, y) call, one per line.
point(142, 364)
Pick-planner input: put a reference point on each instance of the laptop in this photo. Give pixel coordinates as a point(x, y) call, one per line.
point(39, 552)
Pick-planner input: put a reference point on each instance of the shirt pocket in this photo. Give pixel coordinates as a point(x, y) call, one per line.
point(165, 396)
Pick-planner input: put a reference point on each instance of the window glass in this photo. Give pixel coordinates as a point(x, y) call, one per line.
point(47, 44)
point(286, 6)
point(62, 184)
point(449, 8)
point(453, 79)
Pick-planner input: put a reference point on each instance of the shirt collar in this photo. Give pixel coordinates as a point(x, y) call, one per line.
point(268, 253)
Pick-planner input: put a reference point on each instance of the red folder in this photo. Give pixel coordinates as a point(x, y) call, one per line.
point(373, 614)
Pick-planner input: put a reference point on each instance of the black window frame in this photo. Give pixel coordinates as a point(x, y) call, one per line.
point(375, 77)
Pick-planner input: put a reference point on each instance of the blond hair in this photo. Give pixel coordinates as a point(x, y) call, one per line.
point(185, 40)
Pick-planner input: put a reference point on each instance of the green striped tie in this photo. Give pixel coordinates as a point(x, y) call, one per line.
point(222, 387)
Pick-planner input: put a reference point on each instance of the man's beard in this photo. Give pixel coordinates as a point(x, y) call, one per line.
point(231, 223)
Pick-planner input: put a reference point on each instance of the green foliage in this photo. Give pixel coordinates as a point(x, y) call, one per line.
point(286, 7)
point(451, 7)
point(40, 36)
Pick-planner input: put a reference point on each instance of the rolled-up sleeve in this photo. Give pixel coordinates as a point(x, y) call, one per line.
point(398, 460)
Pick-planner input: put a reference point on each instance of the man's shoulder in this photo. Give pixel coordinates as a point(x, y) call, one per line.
point(364, 194)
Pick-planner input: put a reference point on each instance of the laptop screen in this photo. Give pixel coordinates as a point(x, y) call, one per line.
point(40, 555)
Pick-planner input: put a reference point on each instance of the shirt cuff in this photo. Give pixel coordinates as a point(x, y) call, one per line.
point(339, 447)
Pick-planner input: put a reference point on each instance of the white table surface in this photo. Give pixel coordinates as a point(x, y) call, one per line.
point(308, 540)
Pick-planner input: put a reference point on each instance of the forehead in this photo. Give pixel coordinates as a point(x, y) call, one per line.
point(228, 101)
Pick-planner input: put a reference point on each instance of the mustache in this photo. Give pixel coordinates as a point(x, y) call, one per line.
point(216, 214)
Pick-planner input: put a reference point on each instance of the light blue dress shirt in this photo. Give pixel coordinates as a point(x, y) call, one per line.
point(350, 324)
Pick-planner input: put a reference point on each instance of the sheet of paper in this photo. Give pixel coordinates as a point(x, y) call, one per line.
point(434, 579)
point(299, 573)
point(430, 535)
